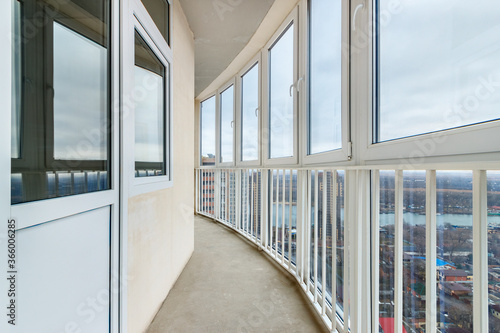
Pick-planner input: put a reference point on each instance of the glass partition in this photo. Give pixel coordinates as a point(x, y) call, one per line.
point(61, 109)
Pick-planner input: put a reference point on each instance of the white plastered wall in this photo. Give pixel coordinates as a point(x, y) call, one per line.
point(160, 224)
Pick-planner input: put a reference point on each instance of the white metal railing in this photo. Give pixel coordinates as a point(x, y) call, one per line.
point(329, 228)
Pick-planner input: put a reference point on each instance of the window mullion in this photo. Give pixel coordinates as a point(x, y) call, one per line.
point(430, 248)
point(480, 252)
point(398, 253)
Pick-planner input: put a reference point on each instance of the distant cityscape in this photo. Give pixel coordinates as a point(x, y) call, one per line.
point(454, 278)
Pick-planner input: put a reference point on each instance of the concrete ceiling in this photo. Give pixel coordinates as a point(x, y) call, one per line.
point(221, 30)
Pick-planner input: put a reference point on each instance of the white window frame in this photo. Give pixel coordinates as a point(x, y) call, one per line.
point(33, 213)
point(140, 21)
point(218, 119)
point(342, 154)
point(200, 129)
point(449, 145)
point(293, 160)
point(256, 61)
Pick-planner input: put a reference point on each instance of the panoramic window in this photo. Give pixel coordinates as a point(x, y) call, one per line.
point(325, 76)
point(60, 125)
point(437, 66)
point(207, 129)
point(159, 10)
point(281, 115)
point(150, 100)
point(226, 125)
point(250, 114)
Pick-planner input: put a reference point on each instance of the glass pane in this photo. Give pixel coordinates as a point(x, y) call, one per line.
point(387, 243)
point(313, 228)
point(246, 203)
point(438, 66)
point(280, 101)
point(159, 12)
point(257, 206)
point(207, 126)
point(149, 111)
point(414, 223)
point(60, 123)
point(80, 108)
point(231, 218)
point(325, 90)
point(494, 250)
point(16, 83)
point(250, 202)
point(339, 239)
point(454, 250)
point(291, 216)
point(250, 115)
point(226, 125)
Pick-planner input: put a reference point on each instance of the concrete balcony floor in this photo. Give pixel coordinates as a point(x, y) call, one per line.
point(230, 286)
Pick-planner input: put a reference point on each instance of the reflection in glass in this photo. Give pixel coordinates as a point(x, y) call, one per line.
point(414, 226)
point(249, 115)
point(60, 124)
point(280, 102)
point(494, 250)
point(159, 12)
point(325, 78)
point(438, 66)
point(454, 249)
point(226, 124)
point(149, 111)
point(207, 128)
point(387, 243)
point(16, 83)
point(80, 109)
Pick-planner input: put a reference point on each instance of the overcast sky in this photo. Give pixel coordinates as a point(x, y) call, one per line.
point(80, 97)
point(149, 109)
point(433, 58)
point(250, 122)
point(208, 127)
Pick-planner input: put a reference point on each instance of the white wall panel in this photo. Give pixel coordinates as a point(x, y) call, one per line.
point(63, 274)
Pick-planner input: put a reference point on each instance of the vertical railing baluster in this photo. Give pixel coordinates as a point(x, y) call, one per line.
point(480, 251)
point(283, 218)
point(269, 224)
point(316, 191)
point(290, 219)
point(277, 210)
point(251, 204)
point(375, 213)
point(323, 245)
point(398, 253)
point(308, 229)
point(334, 222)
point(430, 249)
